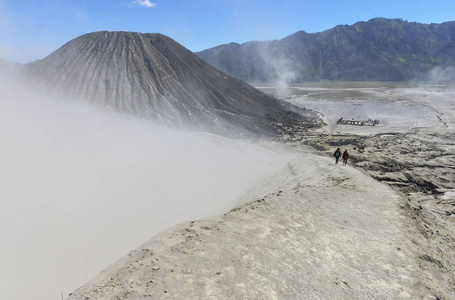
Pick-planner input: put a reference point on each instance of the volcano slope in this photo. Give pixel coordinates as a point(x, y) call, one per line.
point(314, 230)
point(153, 77)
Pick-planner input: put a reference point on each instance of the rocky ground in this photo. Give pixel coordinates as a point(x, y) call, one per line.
point(420, 165)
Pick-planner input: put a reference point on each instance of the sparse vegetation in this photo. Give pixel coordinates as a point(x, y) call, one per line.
point(377, 50)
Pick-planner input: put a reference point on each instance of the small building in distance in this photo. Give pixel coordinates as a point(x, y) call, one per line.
point(368, 122)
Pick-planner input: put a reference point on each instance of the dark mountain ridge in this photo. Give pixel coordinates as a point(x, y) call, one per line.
point(379, 50)
point(153, 77)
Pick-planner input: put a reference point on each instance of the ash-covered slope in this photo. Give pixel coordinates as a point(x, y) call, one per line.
point(327, 232)
point(154, 77)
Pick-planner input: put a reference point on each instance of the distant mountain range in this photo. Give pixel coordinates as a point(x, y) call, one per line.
point(380, 50)
point(153, 77)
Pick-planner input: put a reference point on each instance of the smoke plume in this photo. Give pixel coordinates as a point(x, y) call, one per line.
point(283, 72)
point(81, 187)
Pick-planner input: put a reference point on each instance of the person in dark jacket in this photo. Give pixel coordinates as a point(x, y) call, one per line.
point(337, 155)
point(345, 157)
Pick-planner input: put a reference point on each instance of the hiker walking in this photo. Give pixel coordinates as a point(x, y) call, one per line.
point(337, 155)
point(345, 157)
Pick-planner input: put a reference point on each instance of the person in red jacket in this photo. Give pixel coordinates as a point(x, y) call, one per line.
point(345, 157)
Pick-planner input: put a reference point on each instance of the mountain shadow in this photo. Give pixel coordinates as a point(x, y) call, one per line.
point(153, 77)
point(377, 50)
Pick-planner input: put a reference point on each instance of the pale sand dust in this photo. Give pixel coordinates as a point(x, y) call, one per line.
point(339, 237)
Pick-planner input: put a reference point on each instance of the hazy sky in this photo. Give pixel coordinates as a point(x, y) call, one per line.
point(32, 29)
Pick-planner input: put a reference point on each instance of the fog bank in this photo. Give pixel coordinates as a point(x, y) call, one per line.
point(81, 187)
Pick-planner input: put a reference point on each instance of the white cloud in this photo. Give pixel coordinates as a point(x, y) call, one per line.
point(145, 3)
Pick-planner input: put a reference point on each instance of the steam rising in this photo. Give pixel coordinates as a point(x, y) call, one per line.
point(80, 187)
point(441, 75)
point(283, 71)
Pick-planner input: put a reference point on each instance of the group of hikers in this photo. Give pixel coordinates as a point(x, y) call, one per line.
point(345, 156)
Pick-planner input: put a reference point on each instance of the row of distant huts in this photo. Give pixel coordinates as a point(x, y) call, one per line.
point(368, 122)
